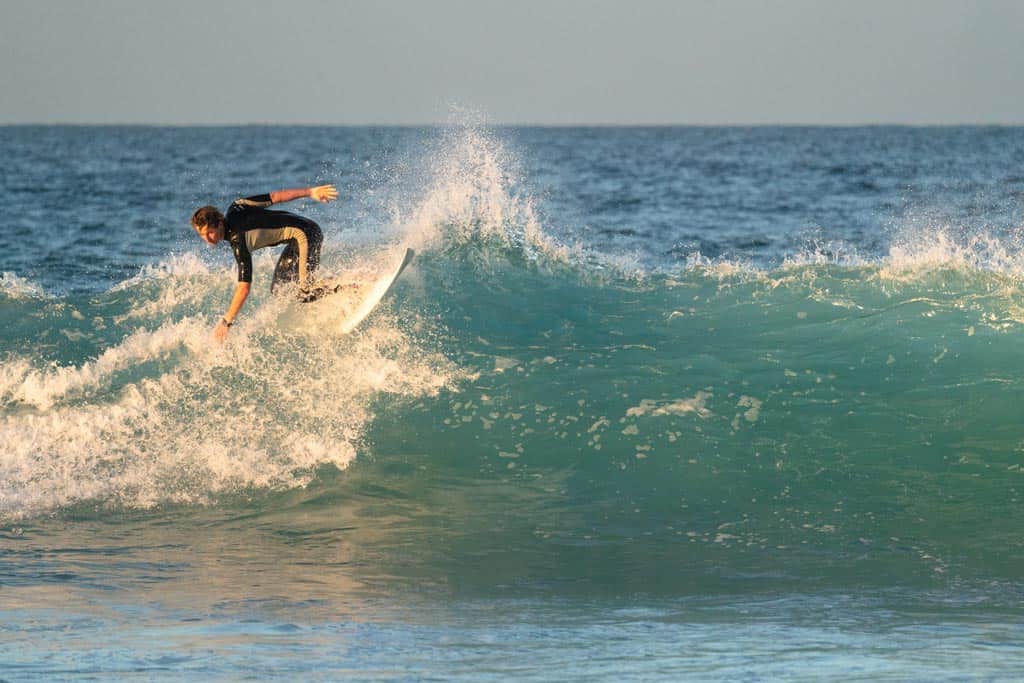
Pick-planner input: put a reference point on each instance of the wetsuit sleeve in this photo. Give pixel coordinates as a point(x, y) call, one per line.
point(244, 259)
point(258, 200)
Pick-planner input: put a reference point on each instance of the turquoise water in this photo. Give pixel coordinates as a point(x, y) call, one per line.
point(649, 404)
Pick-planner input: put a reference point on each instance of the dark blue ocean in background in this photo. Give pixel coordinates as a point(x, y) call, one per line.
point(649, 404)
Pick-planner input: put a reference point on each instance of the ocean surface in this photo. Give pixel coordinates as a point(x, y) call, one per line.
point(649, 404)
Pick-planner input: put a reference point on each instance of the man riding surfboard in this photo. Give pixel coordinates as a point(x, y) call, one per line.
point(248, 225)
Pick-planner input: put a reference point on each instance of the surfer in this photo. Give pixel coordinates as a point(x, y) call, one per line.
point(249, 225)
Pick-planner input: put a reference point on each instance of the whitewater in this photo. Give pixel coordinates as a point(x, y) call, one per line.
point(717, 403)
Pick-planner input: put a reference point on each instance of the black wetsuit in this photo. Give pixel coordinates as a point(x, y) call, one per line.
point(249, 225)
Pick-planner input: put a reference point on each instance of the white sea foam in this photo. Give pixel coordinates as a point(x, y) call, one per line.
point(911, 255)
point(946, 248)
point(174, 266)
point(41, 388)
point(167, 415)
point(16, 287)
point(179, 284)
point(680, 406)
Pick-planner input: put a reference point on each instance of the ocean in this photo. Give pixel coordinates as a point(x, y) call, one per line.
point(670, 403)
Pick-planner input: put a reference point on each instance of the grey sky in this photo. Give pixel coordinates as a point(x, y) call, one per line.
point(514, 61)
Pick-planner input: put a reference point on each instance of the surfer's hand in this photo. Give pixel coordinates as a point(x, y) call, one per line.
point(221, 331)
point(323, 193)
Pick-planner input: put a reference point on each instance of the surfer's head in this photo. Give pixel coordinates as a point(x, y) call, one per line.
point(209, 224)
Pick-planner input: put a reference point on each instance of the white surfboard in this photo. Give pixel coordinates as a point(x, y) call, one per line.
point(372, 295)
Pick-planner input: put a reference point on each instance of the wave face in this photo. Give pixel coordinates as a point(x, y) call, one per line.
point(560, 401)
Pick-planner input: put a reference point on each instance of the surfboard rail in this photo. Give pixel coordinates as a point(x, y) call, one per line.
point(377, 291)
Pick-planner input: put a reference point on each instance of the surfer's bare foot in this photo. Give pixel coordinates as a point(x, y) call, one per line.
point(317, 290)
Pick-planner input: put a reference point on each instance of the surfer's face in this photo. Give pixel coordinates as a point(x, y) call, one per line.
point(210, 234)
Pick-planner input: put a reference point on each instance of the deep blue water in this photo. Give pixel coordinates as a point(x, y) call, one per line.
point(651, 403)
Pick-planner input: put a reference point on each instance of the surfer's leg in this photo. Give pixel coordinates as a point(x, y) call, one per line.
point(309, 288)
point(300, 258)
point(314, 240)
point(287, 269)
point(307, 239)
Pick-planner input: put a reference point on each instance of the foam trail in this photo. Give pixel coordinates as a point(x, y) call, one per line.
point(21, 383)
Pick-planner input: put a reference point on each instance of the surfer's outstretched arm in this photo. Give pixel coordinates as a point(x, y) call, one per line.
point(237, 301)
point(321, 193)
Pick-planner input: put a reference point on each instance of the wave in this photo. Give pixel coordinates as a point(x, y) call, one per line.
point(710, 394)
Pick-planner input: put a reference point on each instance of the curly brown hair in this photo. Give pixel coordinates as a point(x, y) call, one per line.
point(205, 216)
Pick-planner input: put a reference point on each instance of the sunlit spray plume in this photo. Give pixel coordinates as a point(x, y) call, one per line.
point(471, 193)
